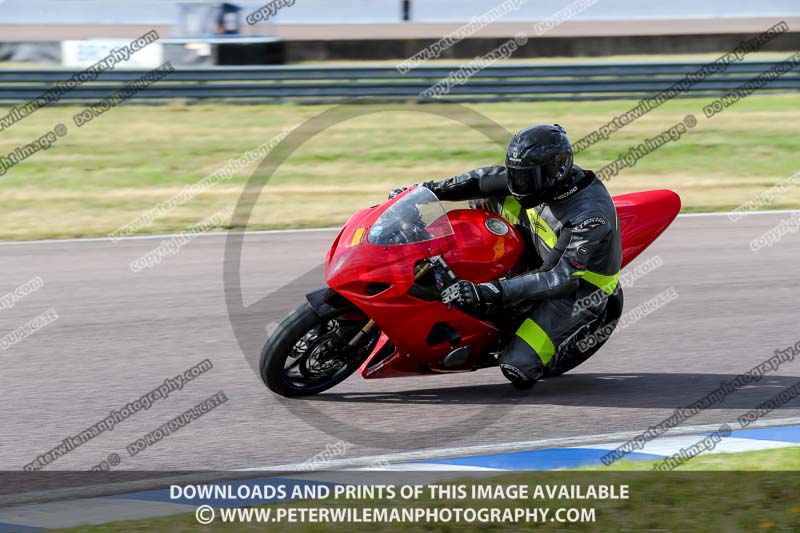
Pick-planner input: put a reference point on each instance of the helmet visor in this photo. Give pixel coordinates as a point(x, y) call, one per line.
point(524, 180)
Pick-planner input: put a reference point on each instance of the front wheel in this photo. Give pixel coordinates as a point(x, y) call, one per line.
point(307, 354)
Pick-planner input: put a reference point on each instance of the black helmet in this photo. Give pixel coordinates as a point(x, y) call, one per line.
point(539, 163)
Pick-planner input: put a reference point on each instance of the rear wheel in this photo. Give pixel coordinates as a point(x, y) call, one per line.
point(572, 357)
point(307, 354)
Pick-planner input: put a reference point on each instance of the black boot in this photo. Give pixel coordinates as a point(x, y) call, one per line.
point(517, 378)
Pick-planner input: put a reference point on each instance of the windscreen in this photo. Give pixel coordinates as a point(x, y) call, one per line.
point(416, 217)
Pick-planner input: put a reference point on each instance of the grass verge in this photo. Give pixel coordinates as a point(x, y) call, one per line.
point(106, 173)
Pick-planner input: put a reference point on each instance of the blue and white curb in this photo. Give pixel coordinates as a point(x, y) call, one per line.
point(592, 454)
point(490, 458)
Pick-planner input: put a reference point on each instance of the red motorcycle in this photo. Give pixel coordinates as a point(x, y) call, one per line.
point(382, 313)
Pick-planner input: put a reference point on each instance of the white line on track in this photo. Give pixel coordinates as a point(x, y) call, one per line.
point(564, 442)
point(168, 235)
point(296, 469)
point(742, 215)
point(313, 230)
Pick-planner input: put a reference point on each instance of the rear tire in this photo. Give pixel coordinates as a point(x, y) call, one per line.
point(574, 357)
point(290, 333)
point(523, 385)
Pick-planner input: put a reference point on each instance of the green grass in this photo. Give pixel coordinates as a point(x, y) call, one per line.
point(106, 173)
point(679, 501)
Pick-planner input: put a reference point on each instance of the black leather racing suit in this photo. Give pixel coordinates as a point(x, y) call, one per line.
point(574, 250)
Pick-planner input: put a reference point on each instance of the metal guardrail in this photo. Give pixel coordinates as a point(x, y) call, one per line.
point(340, 83)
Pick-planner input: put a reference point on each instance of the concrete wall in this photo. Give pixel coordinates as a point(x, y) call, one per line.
point(454, 10)
point(595, 46)
point(376, 11)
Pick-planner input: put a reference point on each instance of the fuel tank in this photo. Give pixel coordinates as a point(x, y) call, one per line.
point(486, 248)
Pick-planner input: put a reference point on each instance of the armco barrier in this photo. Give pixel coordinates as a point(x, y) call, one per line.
point(318, 84)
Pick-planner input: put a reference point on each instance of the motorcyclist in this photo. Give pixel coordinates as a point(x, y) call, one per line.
point(571, 228)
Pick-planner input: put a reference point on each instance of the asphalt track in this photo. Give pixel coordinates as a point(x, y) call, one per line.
point(120, 334)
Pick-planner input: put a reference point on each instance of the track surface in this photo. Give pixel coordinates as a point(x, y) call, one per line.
point(120, 334)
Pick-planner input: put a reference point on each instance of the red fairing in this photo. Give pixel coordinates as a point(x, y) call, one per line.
point(478, 246)
point(643, 216)
point(481, 254)
point(481, 247)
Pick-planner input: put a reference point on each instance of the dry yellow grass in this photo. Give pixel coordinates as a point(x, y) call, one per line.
point(107, 173)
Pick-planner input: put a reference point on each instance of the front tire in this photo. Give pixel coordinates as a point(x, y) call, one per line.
point(306, 354)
